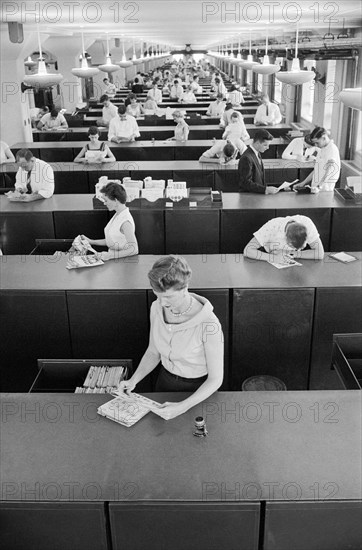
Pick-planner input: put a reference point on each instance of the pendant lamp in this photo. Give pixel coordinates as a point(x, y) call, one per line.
point(352, 97)
point(249, 63)
point(29, 63)
point(42, 79)
point(265, 67)
point(84, 71)
point(124, 63)
point(295, 76)
point(108, 67)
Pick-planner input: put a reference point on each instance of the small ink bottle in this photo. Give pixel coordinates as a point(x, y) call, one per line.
point(200, 426)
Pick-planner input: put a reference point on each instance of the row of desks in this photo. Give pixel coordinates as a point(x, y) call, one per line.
point(161, 229)
point(197, 131)
point(72, 177)
point(192, 119)
point(275, 322)
point(291, 484)
point(59, 151)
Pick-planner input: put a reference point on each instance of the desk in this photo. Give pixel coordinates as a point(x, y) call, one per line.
point(66, 151)
point(158, 132)
point(225, 230)
point(78, 314)
point(80, 178)
point(300, 451)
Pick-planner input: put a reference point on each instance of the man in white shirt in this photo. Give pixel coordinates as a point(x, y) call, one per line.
point(195, 86)
point(176, 91)
point(267, 114)
point(285, 238)
point(109, 88)
point(222, 152)
point(109, 111)
point(217, 107)
point(155, 93)
point(123, 127)
point(301, 149)
point(219, 88)
point(327, 166)
point(34, 179)
point(53, 121)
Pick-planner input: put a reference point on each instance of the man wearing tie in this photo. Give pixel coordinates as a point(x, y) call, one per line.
point(267, 114)
point(34, 179)
point(251, 169)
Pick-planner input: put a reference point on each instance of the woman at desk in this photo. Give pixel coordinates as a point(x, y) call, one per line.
point(182, 129)
point(185, 335)
point(134, 108)
point(95, 151)
point(120, 231)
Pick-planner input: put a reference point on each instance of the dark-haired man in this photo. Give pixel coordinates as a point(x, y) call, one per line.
point(34, 179)
point(327, 165)
point(285, 238)
point(123, 127)
point(109, 111)
point(251, 168)
point(53, 121)
point(222, 152)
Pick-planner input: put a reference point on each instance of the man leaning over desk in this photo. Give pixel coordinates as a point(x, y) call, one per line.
point(34, 179)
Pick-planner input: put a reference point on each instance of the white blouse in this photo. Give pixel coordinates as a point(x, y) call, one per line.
point(115, 239)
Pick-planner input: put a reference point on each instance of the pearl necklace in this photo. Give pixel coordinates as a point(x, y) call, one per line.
point(183, 312)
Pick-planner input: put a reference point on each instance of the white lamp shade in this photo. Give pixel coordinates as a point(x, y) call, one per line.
point(295, 76)
point(124, 63)
point(29, 62)
point(266, 67)
point(43, 79)
point(84, 71)
point(352, 97)
point(248, 64)
point(108, 67)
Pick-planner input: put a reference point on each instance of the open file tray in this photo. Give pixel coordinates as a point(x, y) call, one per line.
point(127, 409)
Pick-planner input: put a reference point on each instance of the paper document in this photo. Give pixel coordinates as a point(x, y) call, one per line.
point(285, 185)
point(343, 257)
point(282, 265)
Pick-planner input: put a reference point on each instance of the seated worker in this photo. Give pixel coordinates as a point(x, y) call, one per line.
point(236, 132)
point(222, 152)
point(155, 93)
point(123, 127)
point(226, 115)
point(95, 151)
point(109, 88)
point(235, 97)
point(53, 121)
point(34, 179)
point(109, 111)
point(120, 230)
point(195, 86)
point(217, 107)
point(251, 169)
point(267, 114)
point(185, 335)
point(37, 114)
point(176, 90)
point(327, 166)
point(182, 129)
point(137, 87)
point(134, 108)
point(148, 83)
point(300, 149)
point(5, 153)
point(150, 107)
point(140, 79)
point(218, 88)
point(188, 96)
point(286, 238)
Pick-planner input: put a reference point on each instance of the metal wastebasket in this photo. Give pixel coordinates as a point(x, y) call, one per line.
point(263, 383)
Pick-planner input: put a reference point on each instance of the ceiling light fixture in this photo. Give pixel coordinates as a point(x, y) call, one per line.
point(29, 62)
point(42, 79)
point(266, 67)
point(84, 71)
point(295, 76)
point(108, 67)
point(249, 63)
point(352, 97)
point(124, 63)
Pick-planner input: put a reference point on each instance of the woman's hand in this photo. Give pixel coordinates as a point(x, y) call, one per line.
point(170, 410)
point(126, 386)
point(83, 237)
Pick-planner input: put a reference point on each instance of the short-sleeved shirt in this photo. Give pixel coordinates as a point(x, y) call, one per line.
point(272, 234)
point(41, 179)
point(50, 122)
point(123, 128)
point(327, 156)
point(109, 112)
point(217, 150)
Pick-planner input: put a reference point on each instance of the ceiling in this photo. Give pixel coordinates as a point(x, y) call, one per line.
point(175, 23)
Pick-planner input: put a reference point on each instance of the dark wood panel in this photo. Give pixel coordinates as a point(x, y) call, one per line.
point(53, 525)
point(183, 225)
point(108, 324)
point(195, 178)
point(34, 325)
point(180, 526)
point(238, 226)
point(150, 231)
point(337, 310)
point(346, 229)
point(313, 525)
point(69, 224)
point(272, 335)
point(18, 231)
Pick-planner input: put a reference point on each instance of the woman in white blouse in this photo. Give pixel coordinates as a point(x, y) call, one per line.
point(185, 335)
point(120, 231)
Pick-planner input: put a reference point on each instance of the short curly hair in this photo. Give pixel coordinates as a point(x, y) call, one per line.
point(169, 272)
point(114, 190)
